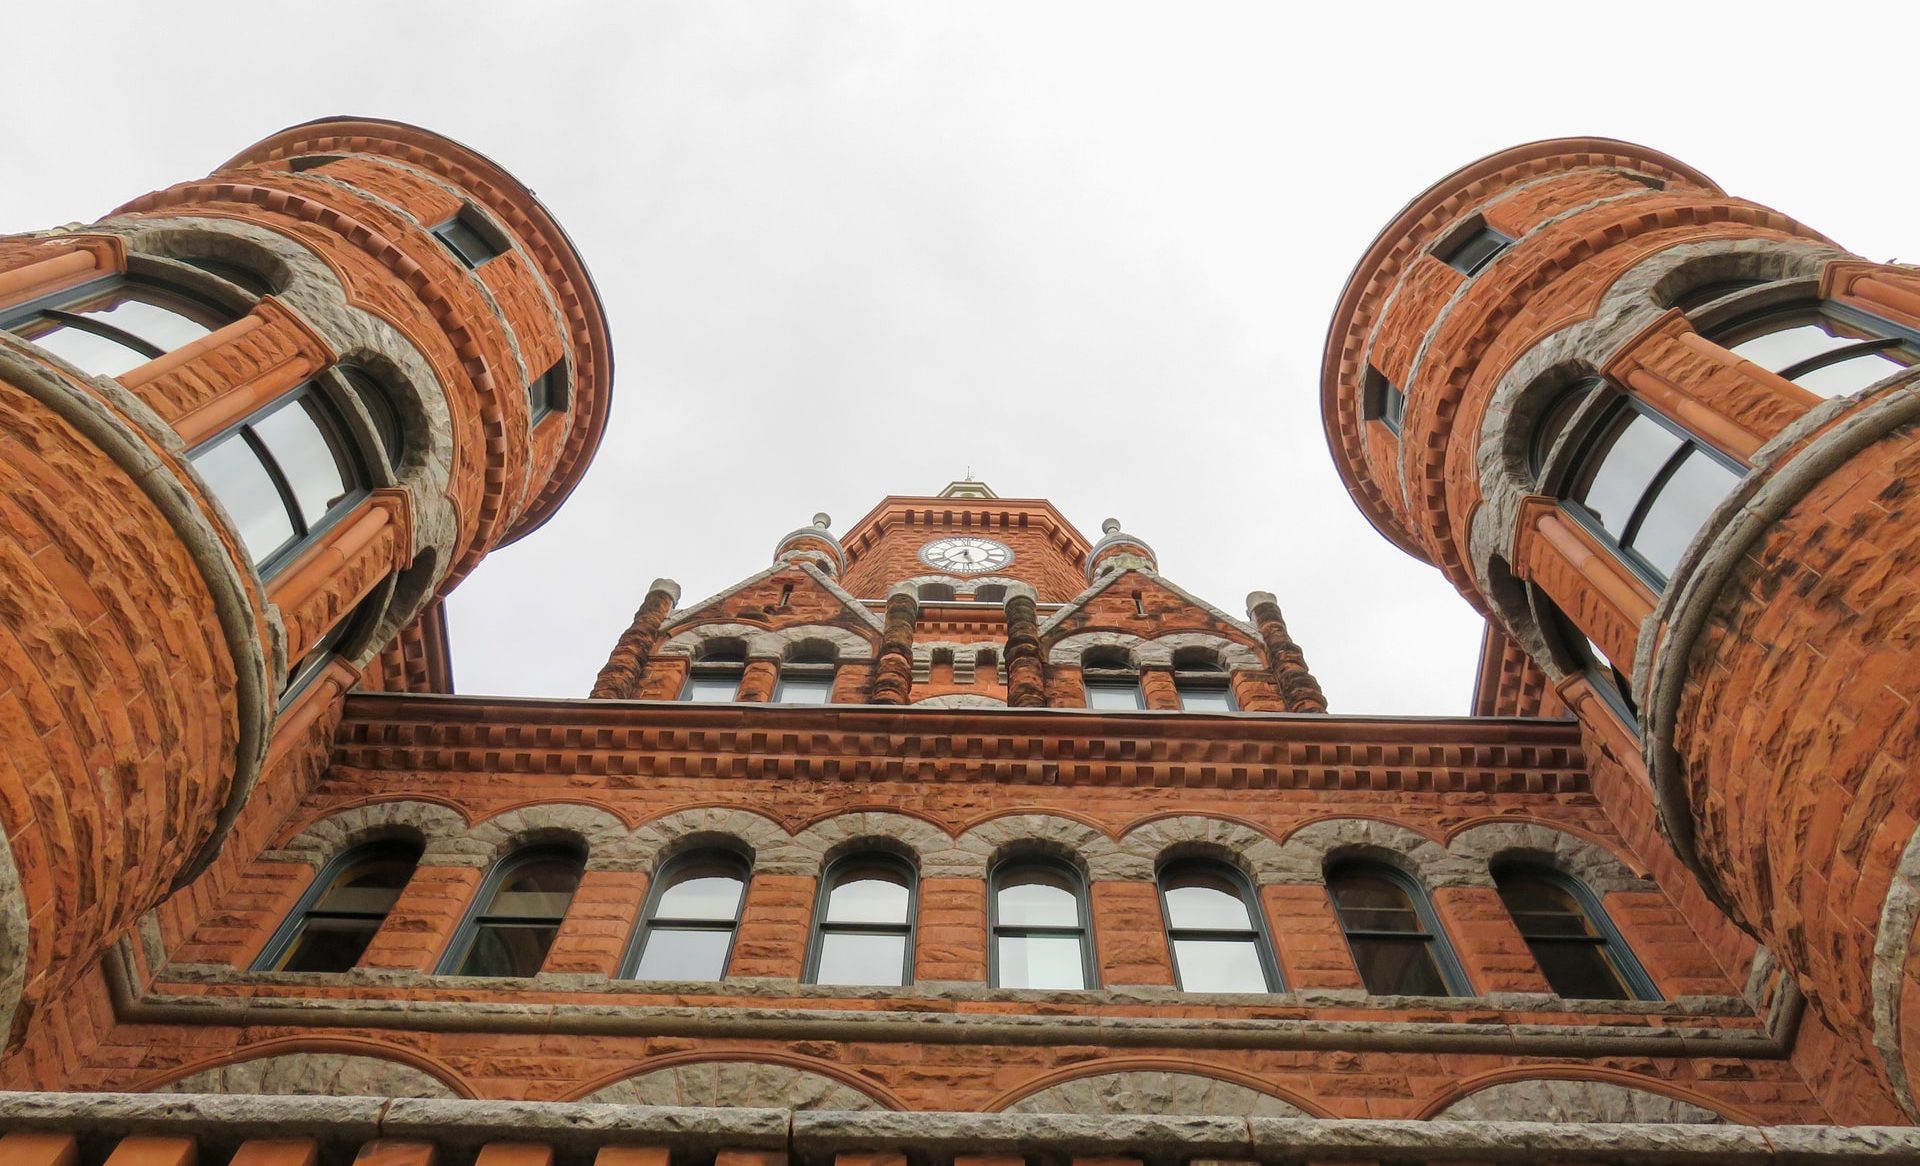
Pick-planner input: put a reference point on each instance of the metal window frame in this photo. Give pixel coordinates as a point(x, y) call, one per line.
point(1440, 944)
point(295, 924)
point(1381, 400)
point(820, 928)
point(1113, 680)
point(1222, 682)
point(477, 916)
point(1089, 965)
point(1449, 248)
point(547, 393)
point(1633, 974)
point(1262, 939)
point(476, 223)
point(1558, 629)
point(1882, 334)
point(661, 883)
point(804, 671)
point(60, 306)
point(735, 672)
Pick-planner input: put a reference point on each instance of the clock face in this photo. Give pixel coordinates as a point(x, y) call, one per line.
point(966, 555)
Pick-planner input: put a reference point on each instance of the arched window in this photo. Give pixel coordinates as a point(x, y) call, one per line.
point(1391, 929)
point(1824, 348)
point(936, 593)
point(284, 474)
point(336, 919)
point(1039, 926)
point(806, 677)
point(1111, 680)
point(1214, 930)
point(1573, 941)
point(716, 671)
point(1647, 487)
point(1203, 685)
point(114, 327)
point(863, 923)
point(516, 914)
point(990, 593)
point(692, 914)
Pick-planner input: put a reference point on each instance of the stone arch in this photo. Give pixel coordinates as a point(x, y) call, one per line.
point(322, 1073)
point(847, 644)
point(1572, 1099)
point(1098, 855)
point(440, 828)
point(1580, 858)
point(1159, 839)
point(754, 1084)
point(1014, 586)
point(689, 641)
point(1233, 655)
point(1155, 1091)
point(934, 852)
point(961, 700)
point(604, 836)
point(1072, 649)
point(1305, 853)
point(652, 842)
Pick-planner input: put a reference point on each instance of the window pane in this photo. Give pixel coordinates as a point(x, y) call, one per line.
point(1041, 961)
point(675, 954)
point(370, 885)
point(1789, 345)
point(804, 690)
point(159, 326)
point(329, 945)
point(1399, 967)
point(712, 688)
point(1205, 903)
point(508, 949)
point(705, 891)
point(1681, 509)
point(1199, 699)
point(311, 464)
point(1850, 375)
point(1621, 469)
point(1108, 694)
point(861, 959)
point(1219, 965)
point(1580, 970)
point(1479, 248)
point(241, 483)
point(1037, 898)
point(1373, 903)
point(87, 351)
point(868, 896)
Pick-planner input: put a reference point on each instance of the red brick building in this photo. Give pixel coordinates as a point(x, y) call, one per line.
point(959, 835)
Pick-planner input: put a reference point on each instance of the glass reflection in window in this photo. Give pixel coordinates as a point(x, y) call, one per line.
point(111, 331)
point(864, 931)
point(1649, 487)
point(1578, 951)
point(282, 473)
point(1828, 351)
point(695, 913)
point(1217, 943)
point(524, 901)
point(339, 916)
point(1391, 934)
point(1039, 927)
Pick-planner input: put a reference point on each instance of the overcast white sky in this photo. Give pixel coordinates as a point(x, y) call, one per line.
point(1088, 249)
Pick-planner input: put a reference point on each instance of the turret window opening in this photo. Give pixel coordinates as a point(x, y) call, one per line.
point(1391, 929)
point(1579, 952)
point(471, 237)
point(114, 326)
point(1824, 348)
point(806, 677)
point(715, 675)
point(517, 914)
point(1039, 926)
point(284, 474)
point(1472, 246)
point(1111, 680)
point(547, 393)
point(1381, 401)
point(863, 924)
point(935, 593)
point(1218, 941)
point(1203, 685)
point(1647, 487)
point(340, 913)
point(990, 593)
point(1578, 653)
point(692, 916)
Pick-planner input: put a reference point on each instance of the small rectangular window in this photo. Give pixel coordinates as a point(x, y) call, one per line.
point(1114, 694)
point(1383, 402)
point(804, 689)
point(711, 687)
point(547, 393)
point(1472, 248)
point(470, 237)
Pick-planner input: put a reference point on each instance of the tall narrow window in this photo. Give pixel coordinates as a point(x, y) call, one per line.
point(807, 677)
point(547, 393)
point(1473, 247)
point(283, 474)
point(471, 238)
point(1648, 487)
point(1581, 654)
point(517, 914)
point(1202, 684)
point(1214, 931)
point(692, 915)
point(716, 671)
point(1111, 680)
point(863, 925)
point(1039, 926)
point(109, 329)
point(1824, 348)
point(1381, 401)
point(336, 919)
point(1391, 930)
point(1573, 941)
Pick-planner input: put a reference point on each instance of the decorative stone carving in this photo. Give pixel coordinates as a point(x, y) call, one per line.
point(751, 1084)
point(1100, 855)
point(1579, 857)
point(1243, 846)
point(441, 828)
point(323, 1074)
point(1574, 1101)
point(1304, 856)
point(1137, 1092)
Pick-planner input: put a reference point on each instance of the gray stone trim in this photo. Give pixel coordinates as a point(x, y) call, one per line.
point(1143, 1093)
point(604, 836)
point(764, 840)
point(1232, 656)
point(15, 937)
point(763, 644)
point(966, 658)
point(1161, 839)
point(1072, 649)
point(313, 1074)
point(1899, 915)
point(439, 828)
point(1568, 1101)
point(814, 1137)
point(734, 1083)
point(1581, 858)
point(1096, 854)
point(961, 700)
point(935, 853)
point(689, 642)
point(1305, 853)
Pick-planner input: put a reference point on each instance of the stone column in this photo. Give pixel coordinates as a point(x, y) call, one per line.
point(893, 671)
point(627, 663)
point(1299, 691)
point(1026, 667)
point(1157, 687)
point(758, 681)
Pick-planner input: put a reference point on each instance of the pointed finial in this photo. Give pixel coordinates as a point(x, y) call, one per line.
point(1110, 526)
point(822, 520)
